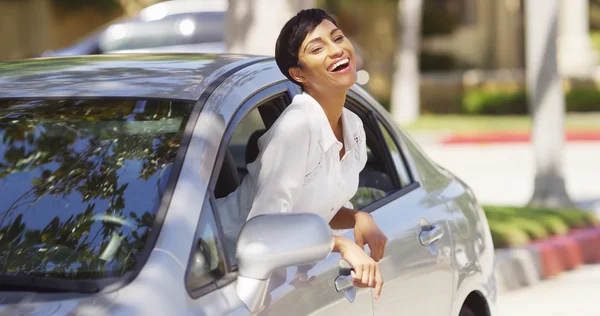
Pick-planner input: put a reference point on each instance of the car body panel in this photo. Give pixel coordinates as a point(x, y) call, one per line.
point(473, 248)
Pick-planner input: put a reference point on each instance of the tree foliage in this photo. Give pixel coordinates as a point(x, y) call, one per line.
point(76, 216)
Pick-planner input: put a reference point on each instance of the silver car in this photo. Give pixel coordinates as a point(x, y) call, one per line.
point(110, 166)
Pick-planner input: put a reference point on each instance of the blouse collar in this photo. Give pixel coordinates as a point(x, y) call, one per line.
point(326, 131)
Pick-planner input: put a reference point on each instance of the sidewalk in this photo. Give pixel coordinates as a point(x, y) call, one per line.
point(503, 173)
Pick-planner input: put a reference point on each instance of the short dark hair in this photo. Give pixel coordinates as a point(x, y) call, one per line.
point(293, 34)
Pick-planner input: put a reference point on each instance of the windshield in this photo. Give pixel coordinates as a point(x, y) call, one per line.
point(81, 182)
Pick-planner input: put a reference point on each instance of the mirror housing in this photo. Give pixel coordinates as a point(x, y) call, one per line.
point(270, 242)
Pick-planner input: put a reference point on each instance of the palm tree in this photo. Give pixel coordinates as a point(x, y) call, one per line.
point(405, 89)
point(253, 25)
point(547, 103)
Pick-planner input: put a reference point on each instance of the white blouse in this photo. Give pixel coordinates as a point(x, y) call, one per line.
point(298, 168)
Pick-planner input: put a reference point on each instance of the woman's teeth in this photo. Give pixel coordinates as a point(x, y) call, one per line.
point(339, 63)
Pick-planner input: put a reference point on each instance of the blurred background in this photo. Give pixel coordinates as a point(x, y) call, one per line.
point(503, 93)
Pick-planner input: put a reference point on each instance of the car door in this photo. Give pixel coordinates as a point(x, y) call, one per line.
point(417, 266)
point(296, 290)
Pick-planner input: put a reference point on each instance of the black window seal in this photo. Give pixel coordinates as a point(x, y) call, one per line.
point(388, 127)
point(109, 285)
point(377, 118)
point(397, 142)
point(369, 119)
point(196, 292)
point(391, 197)
point(272, 91)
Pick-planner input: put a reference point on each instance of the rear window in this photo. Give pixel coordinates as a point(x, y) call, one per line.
point(81, 183)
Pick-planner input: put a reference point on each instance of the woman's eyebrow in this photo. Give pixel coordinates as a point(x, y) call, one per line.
point(316, 39)
point(319, 39)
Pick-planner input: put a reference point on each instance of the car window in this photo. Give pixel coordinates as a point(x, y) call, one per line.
point(207, 261)
point(243, 145)
point(396, 156)
point(379, 177)
point(81, 183)
point(375, 181)
point(177, 29)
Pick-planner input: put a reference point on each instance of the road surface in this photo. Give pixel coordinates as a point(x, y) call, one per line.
point(571, 293)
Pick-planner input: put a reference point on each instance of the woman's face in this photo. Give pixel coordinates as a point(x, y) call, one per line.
point(327, 59)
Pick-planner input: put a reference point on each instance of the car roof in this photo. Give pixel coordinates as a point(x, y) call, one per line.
point(158, 76)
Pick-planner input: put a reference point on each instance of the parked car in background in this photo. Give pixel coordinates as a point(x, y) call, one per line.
point(110, 166)
point(169, 26)
point(176, 26)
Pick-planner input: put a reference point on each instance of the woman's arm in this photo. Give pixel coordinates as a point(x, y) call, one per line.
point(366, 271)
point(366, 230)
point(345, 218)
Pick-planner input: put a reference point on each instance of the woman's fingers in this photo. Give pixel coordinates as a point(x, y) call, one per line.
point(366, 274)
point(378, 283)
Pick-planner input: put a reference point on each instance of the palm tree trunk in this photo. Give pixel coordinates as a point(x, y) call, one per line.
point(252, 26)
point(547, 103)
point(405, 90)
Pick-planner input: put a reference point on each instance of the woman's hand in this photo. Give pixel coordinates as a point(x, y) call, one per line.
point(367, 232)
point(365, 270)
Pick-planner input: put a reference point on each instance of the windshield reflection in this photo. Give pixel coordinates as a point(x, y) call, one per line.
point(81, 182)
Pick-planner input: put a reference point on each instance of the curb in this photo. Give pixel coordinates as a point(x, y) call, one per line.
point(516, 268)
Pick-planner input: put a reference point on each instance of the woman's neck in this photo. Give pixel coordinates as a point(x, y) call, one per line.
point(332, 104)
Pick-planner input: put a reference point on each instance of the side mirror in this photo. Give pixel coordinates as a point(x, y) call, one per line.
point(270, 242)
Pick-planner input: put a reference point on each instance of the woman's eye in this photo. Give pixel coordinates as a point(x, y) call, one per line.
point(316, 50)
point(338, 39)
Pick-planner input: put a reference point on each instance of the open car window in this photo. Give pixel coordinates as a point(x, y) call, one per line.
point(81, 183)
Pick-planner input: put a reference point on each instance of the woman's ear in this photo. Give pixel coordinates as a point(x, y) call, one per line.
point(297, 74)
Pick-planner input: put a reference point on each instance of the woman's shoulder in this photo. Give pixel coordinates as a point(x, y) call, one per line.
point(354, 120)
point(297, 112)
point(295, 120)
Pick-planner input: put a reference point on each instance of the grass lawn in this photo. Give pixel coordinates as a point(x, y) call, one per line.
point(472, 124)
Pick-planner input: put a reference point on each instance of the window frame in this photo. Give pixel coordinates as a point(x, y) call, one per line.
point(208, 210)
point(276, 90)
point(376, 118)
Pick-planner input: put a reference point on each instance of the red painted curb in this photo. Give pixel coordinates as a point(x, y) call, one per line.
point(548, 258)
point(569, 251)
point(589, 241)
point(507, 137)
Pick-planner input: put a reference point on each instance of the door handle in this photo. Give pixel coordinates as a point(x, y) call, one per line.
point(430, 236)
point(343, 282)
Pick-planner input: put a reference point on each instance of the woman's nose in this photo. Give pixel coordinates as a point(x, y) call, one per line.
point(335, 51)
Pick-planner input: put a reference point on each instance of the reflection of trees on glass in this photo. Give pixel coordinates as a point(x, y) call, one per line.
point(81, 181)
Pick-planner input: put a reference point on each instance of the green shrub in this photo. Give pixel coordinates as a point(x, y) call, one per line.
point(553, 224)
point(494, 102)
point(583, 100)
point(485, 101)
point(533, 229)
point(504, 235)
point(516, 226)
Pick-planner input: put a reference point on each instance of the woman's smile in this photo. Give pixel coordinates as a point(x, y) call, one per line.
point(327, 59)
